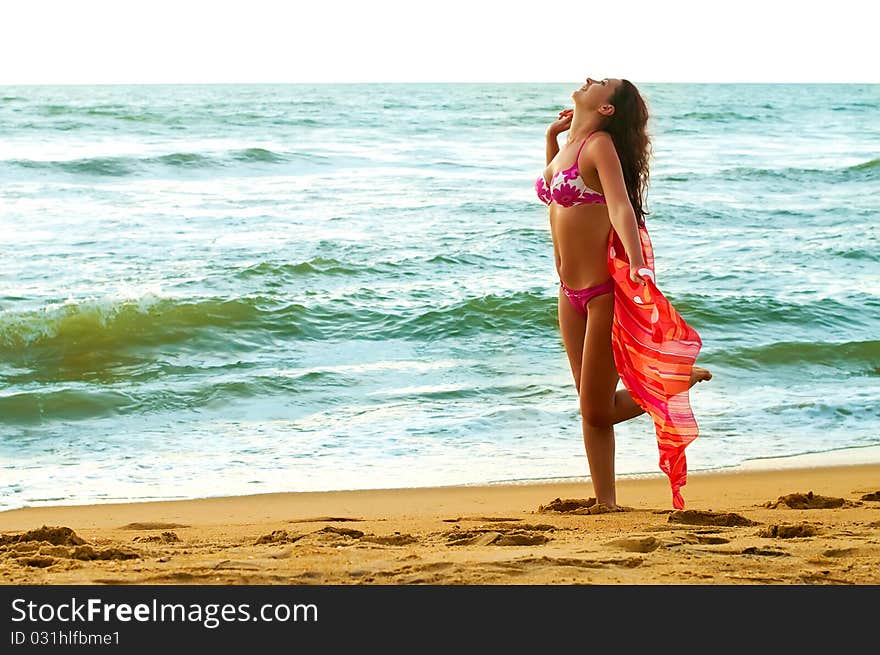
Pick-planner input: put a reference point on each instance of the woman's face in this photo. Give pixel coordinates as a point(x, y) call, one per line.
point(595, 93)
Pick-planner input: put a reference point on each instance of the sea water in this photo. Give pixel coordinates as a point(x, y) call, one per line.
point(229, 289)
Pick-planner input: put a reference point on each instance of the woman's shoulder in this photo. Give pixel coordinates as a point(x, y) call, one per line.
point(598, 135)
point(598, 140)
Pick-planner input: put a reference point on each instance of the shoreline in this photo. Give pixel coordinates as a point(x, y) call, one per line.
point(477, 534)
point(848, 456)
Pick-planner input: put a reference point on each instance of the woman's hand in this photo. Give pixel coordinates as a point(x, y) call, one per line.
point(640, 274)
point(559, 126)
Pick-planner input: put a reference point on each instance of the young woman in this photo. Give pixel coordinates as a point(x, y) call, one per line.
point(611, 314)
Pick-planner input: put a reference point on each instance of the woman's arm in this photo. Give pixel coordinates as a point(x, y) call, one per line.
point(620, 211)
point(556, 128)
point(552, 146)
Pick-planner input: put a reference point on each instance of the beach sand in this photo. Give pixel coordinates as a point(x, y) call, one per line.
point(491, 534)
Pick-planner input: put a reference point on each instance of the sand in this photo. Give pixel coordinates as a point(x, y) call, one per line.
point(735, 530)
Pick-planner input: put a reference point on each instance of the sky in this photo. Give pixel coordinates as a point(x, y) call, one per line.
point(193, 41)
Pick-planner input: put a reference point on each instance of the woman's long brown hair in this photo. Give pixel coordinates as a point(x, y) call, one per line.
point(628, 129)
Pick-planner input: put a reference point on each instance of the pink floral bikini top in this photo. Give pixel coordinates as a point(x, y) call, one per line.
point(571, 190)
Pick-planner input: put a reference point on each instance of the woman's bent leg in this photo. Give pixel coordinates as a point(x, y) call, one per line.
point(625, 407)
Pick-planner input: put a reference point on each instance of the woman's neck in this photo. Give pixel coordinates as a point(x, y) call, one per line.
point(582, 125)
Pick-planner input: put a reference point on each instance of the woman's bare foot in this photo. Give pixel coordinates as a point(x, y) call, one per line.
point(699, 374)
point(604, 508)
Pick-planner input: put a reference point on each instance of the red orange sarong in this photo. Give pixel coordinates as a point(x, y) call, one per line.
point(654, 352)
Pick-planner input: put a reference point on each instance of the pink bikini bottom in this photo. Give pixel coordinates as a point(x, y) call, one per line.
point(580, 297)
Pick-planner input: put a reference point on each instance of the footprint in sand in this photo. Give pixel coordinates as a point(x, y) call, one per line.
point(236, 564)
point(840, 552)
point(700, 517)
point(789, 531)
point(87, 552)
point(395, 539)
point(278, 537)
point(628, 562)
point(712, 540)
point(345, 532)
point(635, 544)
point(495, 538)
point(49, 555)
point(164, 538)
point(520, 538)
point(329, 535)
point(567, 505)
point(579, 506)
point(763, 552)
point(36, 561)
point(808, 500)
point(333, 533)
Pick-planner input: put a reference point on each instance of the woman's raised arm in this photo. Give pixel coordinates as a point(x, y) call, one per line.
point(556, 128)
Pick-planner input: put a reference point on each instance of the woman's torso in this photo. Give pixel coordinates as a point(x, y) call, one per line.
point(579, 231)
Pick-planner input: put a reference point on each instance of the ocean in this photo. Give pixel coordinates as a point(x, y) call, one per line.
point(230, 289)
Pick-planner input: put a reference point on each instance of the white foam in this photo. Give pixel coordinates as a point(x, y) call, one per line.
point(840, 457)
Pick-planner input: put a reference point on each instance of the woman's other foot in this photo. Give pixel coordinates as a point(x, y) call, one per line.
point(699, 375)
